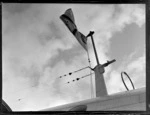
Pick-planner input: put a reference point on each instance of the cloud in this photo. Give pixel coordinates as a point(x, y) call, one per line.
point(136, 71)
point(106, 20)
point(24, 42)
point(28, 42)
point(33, 36)
point(53, 89)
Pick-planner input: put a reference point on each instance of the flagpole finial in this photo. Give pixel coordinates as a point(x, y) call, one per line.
point(90, 34)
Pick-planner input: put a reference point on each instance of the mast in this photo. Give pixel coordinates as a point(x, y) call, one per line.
point(100, 85)
point(69, 21)
point(91, 34)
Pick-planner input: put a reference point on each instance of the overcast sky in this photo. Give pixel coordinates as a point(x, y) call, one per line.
point(37, 48)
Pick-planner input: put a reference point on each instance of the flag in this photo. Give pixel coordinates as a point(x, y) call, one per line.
point(69, 21)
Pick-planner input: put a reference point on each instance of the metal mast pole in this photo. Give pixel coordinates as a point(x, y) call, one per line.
point(100, 86)
point(91, 34)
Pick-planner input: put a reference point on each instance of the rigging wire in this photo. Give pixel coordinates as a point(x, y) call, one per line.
point(92, 92)
point(23, 89)
point(80, 78)
point(124, 81)
point(20, 99)
point(70, 73)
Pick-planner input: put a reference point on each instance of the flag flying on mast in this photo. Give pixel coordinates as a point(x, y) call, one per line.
point(69, 21)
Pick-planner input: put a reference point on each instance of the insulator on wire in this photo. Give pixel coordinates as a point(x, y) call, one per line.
point(75, 71)
point(77, 78)
point(81, 77)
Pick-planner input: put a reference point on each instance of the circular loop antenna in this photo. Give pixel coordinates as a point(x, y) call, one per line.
point(124, 81)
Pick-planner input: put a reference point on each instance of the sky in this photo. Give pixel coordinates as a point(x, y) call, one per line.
point(37, 48)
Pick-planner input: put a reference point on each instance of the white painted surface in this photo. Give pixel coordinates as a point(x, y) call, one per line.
point(136, 107)
point(100, 85)
point(129, 100)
